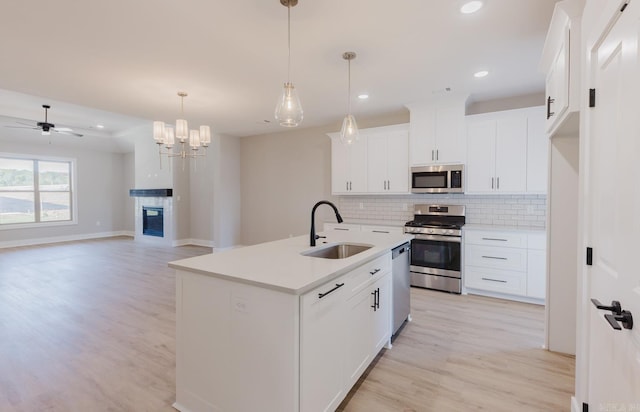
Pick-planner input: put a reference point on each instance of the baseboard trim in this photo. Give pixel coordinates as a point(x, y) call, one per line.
point(60, 239)
point(194, 242)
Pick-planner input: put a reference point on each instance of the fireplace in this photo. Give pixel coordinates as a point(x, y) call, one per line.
point(153, 221)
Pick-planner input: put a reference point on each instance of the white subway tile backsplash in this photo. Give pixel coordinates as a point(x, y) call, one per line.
point(505, 210)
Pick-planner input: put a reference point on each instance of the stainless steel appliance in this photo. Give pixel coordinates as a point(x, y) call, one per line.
point(437, 179)
point(436, 247)
point(401, 285)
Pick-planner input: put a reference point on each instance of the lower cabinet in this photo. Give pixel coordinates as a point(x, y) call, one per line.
point(245, 348)
point(341, 333)
point(509, 264)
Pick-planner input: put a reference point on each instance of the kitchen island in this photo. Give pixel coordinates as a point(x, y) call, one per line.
point(268, 328)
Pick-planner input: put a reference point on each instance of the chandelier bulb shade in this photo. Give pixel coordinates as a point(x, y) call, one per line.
point(289, 111)
point(349, 133)
point(167, 135)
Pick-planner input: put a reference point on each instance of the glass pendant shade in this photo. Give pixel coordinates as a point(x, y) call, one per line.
point(289, 110)
point(349, 132)
point(158, 132)
point(205, 135)
point(169, 137)
point(194, 139)
point(182, 130)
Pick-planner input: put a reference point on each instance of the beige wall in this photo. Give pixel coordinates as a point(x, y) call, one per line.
point(284, 174)
point(227, 193)
point(510, 103)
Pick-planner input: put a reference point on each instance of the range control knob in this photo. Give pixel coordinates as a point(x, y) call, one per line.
point(430, 230)
point(450, 232)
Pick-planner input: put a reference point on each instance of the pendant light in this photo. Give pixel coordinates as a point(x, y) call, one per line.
point(349, 132)
point(289, 110)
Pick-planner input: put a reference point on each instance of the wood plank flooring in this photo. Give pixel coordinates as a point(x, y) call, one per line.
point(90, 326)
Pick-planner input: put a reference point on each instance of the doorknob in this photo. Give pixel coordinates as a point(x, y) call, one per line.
point(625, 318)
point(615, 307)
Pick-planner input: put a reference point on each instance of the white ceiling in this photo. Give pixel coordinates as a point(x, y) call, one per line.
point(121, 62)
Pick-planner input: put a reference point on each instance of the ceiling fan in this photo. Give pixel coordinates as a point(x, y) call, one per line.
point(47, 127)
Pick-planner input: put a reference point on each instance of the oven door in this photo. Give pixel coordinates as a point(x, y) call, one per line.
point(436, 255)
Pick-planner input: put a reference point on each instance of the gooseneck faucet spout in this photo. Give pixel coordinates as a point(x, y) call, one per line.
point(312, 235)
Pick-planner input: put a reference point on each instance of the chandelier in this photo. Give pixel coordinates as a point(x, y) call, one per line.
point(189, 141)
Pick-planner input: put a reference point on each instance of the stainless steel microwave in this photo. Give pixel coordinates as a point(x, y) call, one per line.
point(437, 179)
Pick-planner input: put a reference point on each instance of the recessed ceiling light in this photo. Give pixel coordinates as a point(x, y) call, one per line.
point(471, 7)
point(481, 73)
point(363, 96)
point(100, 126)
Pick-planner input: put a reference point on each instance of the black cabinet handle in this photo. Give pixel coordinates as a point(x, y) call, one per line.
point(494, 238)
point(615, 307)
point(338, 286)
point(378, 298)
point(549, 112)
point(625, 318)
point(374, 271)
point(374, 293)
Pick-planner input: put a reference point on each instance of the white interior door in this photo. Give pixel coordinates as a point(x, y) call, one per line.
point(613, 214)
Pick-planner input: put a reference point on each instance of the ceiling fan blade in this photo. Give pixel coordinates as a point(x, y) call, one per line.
point(62, 131)
point(23, 127)
point(26, 124)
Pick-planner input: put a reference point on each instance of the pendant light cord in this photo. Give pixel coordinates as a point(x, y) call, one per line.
point(349, 89)
point(289, 41)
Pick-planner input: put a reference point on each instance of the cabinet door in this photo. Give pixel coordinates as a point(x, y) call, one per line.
point(511, 154)
point(537, 153)
point(558, 82)
point(322, 329)
point(480, 171)
point(339, 167)
point(358, 166)
point(377, 162)
point(358, 342)
point(398, 162)
point(382, 315)
point(422, 135)
point(449, 134)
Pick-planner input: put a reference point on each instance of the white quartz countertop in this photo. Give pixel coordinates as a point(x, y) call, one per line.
point(280, 264)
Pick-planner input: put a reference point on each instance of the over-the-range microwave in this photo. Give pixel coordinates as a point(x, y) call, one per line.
point(437, 179)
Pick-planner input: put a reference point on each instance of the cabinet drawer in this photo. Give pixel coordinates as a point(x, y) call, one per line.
point(341, 227)
point(491, 238)
point(369, 272)
point(328, 293)
point(496, 257)
point(495, 280)
point(382, 229)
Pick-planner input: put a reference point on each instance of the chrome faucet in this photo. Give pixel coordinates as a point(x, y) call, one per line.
point(312, 235)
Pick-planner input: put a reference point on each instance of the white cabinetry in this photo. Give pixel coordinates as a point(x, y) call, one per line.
point(508, 264)
point(344, 227)
point(388, 161)
point(436, 132)
point(322, 381)
point(348, 166)
point(498, 157)
point(294, 353)
point(561, 61)
point(376, 163)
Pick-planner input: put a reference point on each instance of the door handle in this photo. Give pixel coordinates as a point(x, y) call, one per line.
point(615, 307)
point(549, 112)
point(625, 318)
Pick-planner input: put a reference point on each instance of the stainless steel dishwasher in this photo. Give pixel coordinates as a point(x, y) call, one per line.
point(401, 285)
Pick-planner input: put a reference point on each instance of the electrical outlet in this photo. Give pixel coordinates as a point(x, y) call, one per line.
point(529, 209)
point(405, 207)
point(361, 205)
point(97, 223)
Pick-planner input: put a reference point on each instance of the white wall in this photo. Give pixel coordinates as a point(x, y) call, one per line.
point(151, 171)
point(102, 202)
point(227, 196)
point(510, 103)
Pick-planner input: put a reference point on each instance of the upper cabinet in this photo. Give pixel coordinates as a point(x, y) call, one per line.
point(377, 163)
point(437, 132)
point(507, 152)
point(561, 62)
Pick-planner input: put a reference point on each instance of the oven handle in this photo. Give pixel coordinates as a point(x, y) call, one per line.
point(452, 239)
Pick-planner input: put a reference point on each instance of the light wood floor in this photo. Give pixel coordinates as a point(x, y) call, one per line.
point(90, 326)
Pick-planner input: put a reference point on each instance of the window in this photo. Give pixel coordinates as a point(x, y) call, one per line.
point(36, 191)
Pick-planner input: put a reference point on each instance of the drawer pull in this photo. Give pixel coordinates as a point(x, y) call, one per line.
point(374, 271)
point(338, 286)
point(340, 228)
point(380, 231)
point(495, 280)
point(495, 257)
point(494, 238)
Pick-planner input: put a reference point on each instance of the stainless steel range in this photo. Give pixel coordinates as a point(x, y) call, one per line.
point(436, 248)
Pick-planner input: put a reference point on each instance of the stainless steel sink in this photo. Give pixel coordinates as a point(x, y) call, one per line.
point(337, 251)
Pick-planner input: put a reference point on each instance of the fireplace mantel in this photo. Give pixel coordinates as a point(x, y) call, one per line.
point(151, 192)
